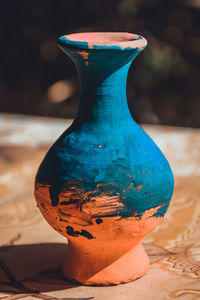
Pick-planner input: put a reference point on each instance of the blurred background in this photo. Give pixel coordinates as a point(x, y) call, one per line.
point(36, 78)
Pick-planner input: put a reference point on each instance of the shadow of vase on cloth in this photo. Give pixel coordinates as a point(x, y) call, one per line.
point(104, 184)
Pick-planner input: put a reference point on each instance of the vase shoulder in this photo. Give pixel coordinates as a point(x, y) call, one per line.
point(127, 162)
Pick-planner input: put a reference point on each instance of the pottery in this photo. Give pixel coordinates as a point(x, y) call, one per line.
point(104, 184)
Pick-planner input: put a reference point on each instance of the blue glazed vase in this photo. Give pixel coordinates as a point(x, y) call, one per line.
point(104, 184)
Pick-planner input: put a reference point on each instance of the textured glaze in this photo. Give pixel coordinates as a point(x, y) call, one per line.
point(104, 184)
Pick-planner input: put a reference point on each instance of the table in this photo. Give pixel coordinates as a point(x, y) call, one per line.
point(31, 251)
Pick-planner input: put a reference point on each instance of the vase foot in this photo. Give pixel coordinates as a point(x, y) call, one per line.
point(93, 269)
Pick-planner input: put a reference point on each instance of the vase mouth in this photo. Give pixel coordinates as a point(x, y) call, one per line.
point(104, 40)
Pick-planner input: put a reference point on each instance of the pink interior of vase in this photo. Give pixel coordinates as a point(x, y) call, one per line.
point(122, 39)
point(103, 37)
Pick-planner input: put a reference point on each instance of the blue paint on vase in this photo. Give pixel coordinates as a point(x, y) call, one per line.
point(104, 151)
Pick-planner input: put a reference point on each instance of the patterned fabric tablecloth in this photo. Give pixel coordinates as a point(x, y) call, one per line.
point(31, 252)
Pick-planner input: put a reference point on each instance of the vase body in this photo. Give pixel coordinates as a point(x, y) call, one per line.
point(104, 184)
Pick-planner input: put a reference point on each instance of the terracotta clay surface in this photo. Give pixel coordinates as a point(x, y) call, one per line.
point(32, 253)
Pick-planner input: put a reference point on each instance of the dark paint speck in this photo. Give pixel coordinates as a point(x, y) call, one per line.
point(99, 221)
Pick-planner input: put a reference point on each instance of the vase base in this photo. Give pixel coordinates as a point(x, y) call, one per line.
point(128, 267)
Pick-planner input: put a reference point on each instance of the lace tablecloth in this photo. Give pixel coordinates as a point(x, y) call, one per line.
point(31, 252)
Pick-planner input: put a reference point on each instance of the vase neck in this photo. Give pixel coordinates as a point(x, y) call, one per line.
point(103, 77)
point(103, 100)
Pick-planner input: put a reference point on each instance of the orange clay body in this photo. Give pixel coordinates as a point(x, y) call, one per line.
point(114, 255)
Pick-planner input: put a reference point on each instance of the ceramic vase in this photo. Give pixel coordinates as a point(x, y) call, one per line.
point(104, 184)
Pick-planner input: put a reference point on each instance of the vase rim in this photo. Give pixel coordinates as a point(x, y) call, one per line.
point(104, 40)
